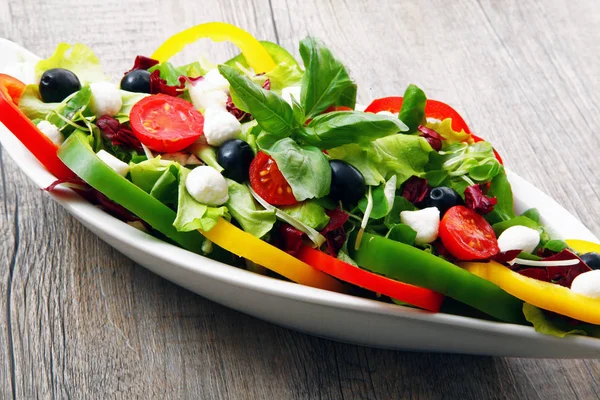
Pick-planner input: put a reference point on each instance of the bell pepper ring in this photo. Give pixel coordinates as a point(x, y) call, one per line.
point(545, 295)
point(30, 136)
point(254, 52)
point(583, 246)
point(416, 296)
point(411, 265)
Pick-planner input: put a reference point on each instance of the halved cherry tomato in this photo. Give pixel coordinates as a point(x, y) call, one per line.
point(268, 182)
point(14, 87)
point(433, 109)
point(166, 124)
point(467, 235)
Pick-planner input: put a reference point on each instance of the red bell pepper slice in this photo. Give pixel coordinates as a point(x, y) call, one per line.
point(32, 138)
point(420, 297)
point(433, 109)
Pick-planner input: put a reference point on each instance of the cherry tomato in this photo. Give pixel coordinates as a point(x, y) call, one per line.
point(268, 182)
point(166, 124)
point(13, 87)
point(467, 235)
point(433, 109)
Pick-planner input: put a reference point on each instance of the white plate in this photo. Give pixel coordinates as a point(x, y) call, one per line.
point(315, 311)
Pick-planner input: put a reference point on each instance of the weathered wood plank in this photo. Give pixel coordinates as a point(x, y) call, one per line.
point(77, 319)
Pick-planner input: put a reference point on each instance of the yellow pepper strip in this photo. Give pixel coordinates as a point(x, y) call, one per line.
point(583, 246)
point(255, 54)
point(243, 244)
point(547, 296)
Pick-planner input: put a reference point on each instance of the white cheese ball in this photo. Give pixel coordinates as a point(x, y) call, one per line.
point(203, 96)
point(220, 126)
point(587, 284)
point(216, 81)
point(113, 162)
point(106, 99)
point(519, 237)
point(425, 222)
point(207, 186)
point(288, 92)
point(51, 132)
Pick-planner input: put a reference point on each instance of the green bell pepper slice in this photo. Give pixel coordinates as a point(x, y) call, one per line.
point(411, 265)
point(76, 154)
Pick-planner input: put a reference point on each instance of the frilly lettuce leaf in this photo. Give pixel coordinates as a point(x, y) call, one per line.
point(555, 325)
point(32, 105)
point(308, 212)
point(129, 100)
point(78, 59)
point(254, 220)
point(444, 128)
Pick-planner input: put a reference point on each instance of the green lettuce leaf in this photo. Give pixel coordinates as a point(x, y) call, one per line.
point(70, 107)
point(444, 128)
point(171, 73)
point(258, 222)
point(192, 215)
point(383, 199)
point(309, 213)
point(338, 128)
point(399, 155)
point(32, 105)
point(543, 324)
point(305, 168)
point(78, 59)
point(129, 100)
point(284, 75)
point(146, 173)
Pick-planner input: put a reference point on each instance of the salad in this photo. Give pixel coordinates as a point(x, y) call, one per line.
point(270, 165)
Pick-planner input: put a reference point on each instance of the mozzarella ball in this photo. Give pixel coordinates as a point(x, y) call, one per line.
point(425, 222)
point(203, 96)
point(216, 80)
point(519, 237)
point(106, 99)
point(288, 92)
point(587, 284)
point(113, 162)
point(207, 186)
point(220, 126)
point(51, 132)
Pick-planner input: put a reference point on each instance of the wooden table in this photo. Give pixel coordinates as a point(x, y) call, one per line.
point(78, 319)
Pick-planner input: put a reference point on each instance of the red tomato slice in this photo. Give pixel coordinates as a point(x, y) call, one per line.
point(14, 87)
point(268, 182)
point(166, 124)
point(467, 235)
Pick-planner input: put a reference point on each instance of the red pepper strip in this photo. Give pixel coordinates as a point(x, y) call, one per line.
point(13, 86)
point(433, 109)
point(420, 297)
point(36, 142)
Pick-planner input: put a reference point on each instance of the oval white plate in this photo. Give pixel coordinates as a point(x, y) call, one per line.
point(315, 311)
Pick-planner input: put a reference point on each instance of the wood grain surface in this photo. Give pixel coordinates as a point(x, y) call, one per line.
point(79, 320)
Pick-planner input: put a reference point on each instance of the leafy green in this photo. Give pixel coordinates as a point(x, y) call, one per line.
point(325, 78)
point(533, 214)
point(78, 59)
point(171, 74)
point(241, 205)
point(412, 112)
point(402, 233)
point(500, 189)
point(308, 212)
point(129, 100)
point(165, 188)
point(400, 204)
point(500, 227)
point(207, 154)
point(271, 112)
point(277, 53)
point(343, 256)
point(338, 128)
point(545, 325)
point(32, 105)
point(383, 199)
point(555, 245)
point(284, 75)
point(192, 215)
point(444, 129)
point(400, 155)
point(348, 96)
point(146, 173)
point(68, 109)
point(305, 168)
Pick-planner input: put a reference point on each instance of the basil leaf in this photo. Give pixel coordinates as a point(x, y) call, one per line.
point(400, 204)
point(325, 78)
point(348, 97)
point(305, 168)
point(338, 128)
point(272, 113)
point(501, 189)
point(412, 112)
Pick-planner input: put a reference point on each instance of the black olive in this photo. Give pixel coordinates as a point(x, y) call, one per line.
point(443, 198)
point(235, 157)
point(591, 259)
point(57, 84)
point(136, 81)
point(347, 183)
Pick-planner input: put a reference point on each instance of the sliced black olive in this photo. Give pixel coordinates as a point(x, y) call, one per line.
point(591, 259)
point(57, 84)
point(136, 81)
point(443, 198)
point(235, 157)
point(347, 183)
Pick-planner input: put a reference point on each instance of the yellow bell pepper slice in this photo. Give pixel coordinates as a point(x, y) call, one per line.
point(243, 244)
point(254, 52)
point(547, 296)
point(583, 246)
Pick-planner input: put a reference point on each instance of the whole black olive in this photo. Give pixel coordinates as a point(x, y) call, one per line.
point(443, 198)
point(235, 157)
point(136, 81)
point(57, 84)
point(347, 183)
point(591, 259)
